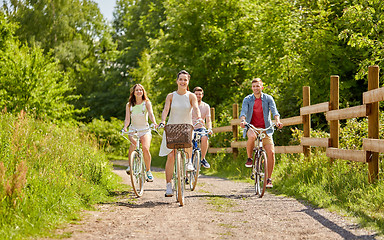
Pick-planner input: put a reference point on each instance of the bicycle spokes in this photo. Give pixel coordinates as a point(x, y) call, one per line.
point(137, 173)
point(260, 171)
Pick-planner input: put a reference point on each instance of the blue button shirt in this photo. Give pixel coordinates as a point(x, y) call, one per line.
point(269, 106)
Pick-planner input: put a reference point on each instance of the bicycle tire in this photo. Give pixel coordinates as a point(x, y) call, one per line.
point(174, 178)
point(261, 173)
point(194, 175)
point(137, 173)
point(180, 177)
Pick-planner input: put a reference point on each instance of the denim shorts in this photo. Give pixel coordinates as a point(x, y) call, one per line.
point(203, 131)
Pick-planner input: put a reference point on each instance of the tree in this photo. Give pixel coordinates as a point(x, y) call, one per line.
point(75, 33)
point(31, 81)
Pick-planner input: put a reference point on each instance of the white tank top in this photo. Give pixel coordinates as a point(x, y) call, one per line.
point(139, 116)
point(181, 109)
point(181, 112)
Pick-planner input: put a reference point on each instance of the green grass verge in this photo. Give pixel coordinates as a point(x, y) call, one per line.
point(48, 173)
point(342, 186)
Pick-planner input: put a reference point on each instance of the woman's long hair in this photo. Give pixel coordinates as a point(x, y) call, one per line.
point(132, 98)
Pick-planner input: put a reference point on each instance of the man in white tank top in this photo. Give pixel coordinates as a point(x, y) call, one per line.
point(205, 111)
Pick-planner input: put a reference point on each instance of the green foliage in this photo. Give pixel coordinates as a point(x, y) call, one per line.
point(76, 35)
point(47, 174)
point(108, 135)
point(351, 133)
point(31, 81)
point(206, 39)
point(363, 27)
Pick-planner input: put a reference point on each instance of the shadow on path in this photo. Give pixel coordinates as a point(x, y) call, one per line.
point(334, 227)
point(147, 204)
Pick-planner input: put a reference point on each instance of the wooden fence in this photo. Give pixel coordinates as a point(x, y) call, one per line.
point(372, 145)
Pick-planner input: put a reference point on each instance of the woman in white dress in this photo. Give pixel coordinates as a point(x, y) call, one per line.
point(136, 117)
point(180, 104)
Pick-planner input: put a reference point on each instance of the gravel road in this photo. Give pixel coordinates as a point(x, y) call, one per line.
point(217, 209)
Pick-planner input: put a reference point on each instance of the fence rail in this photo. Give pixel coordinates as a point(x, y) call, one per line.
point(370, 108)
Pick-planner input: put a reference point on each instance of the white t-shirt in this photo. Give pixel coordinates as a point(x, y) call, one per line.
point(205, 111)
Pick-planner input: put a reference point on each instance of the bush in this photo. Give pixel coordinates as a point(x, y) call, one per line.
point(47, 174)
point(108, 135)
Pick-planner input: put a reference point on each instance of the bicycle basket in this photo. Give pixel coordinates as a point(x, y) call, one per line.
point(178, 135)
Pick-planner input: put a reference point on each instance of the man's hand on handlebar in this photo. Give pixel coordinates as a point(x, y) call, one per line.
point(243, 123)
point(279, 125)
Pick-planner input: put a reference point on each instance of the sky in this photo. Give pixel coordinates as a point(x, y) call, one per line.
point(106, 8)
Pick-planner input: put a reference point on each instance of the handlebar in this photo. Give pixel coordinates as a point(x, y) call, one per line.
point(151, 127)
point(259, 129)
point(162, 125)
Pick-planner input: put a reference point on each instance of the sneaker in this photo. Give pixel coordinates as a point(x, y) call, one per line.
point(189, 167)
point(269, 183)
point(149, 176)
point(169, 191)
point(128, 170)
point(186, 181)
point(249, 162)
point(205, 163)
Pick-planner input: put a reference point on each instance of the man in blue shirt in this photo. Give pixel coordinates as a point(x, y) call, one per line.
point(256, 110)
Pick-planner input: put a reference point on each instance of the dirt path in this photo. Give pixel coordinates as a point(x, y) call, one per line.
point(217, 209)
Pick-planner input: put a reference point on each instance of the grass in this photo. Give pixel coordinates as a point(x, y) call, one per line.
point(221, 204)
point(341, 186)
point(48, 173)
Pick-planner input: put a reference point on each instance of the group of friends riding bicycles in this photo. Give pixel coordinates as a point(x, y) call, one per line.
point(187, 108)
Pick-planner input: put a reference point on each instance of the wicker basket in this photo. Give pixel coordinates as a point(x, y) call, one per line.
point(178, 135)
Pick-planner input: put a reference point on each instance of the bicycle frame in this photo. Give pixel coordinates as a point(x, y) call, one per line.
point(260, 164)
point(196, 159)
point(179, 173)
point(259, 135)
point(138, 142)
point(136, 162)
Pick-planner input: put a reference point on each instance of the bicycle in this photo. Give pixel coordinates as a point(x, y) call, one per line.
point(196, 159)
point(179, 137)
point(260, 161)
point(136, 161)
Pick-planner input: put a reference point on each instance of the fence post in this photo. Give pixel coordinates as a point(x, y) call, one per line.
point(373, 124)
point(334, 102)
point(213, 117)
point(306, 119)
point(235, 128)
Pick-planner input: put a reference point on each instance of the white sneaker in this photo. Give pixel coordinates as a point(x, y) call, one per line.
point(189, 167)
point(169, 191)
point(128, 170)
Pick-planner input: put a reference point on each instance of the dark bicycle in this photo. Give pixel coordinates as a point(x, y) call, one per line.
point(260, 162)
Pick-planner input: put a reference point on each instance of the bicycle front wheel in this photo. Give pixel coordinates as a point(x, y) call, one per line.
point(180, 177)
point(260, 172)
point(137, 173)
point(194, 175)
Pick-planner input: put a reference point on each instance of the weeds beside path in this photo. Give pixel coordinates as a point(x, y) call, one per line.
point(218, 209)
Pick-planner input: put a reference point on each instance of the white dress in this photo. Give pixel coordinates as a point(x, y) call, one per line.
point(181, 112)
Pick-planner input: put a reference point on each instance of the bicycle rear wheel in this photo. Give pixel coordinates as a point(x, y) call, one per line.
point(194, 175)
point(180, 177)
point(260, 169)
point(137, 173)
